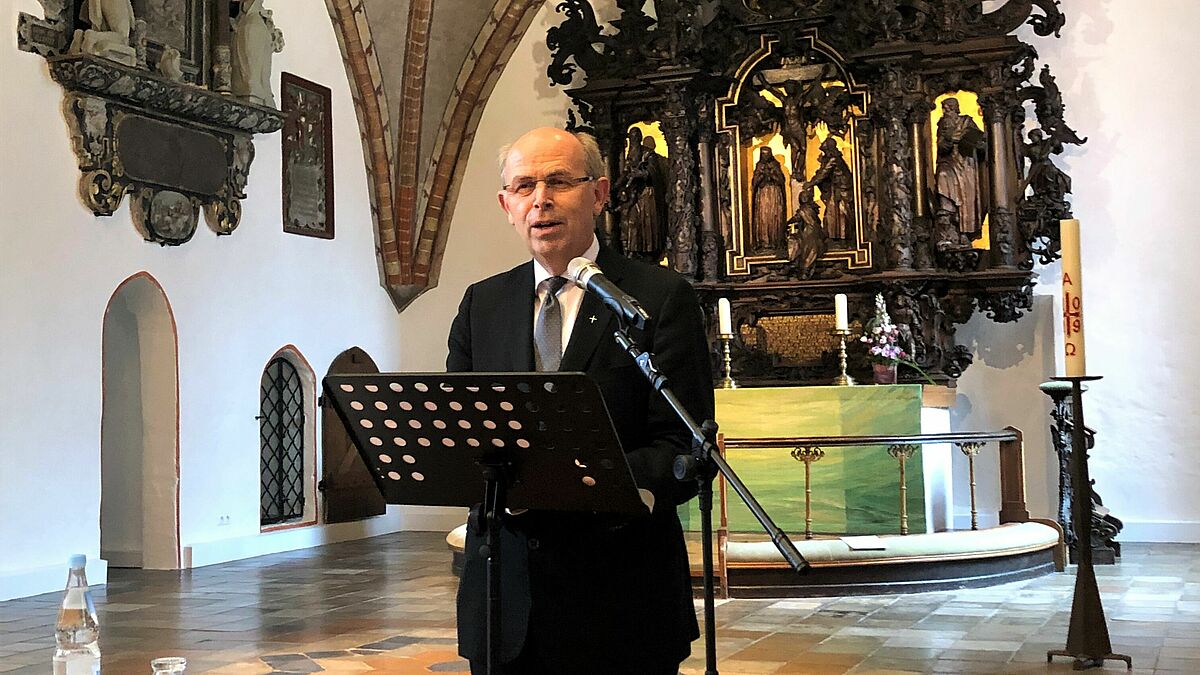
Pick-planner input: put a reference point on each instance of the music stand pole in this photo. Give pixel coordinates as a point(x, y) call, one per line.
point(702, 466)
point(495, 472)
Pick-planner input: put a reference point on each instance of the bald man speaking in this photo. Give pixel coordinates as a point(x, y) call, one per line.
point(585, 593)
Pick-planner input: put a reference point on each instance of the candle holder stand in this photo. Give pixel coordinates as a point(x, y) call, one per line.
point(727, 382)
point(842, 380)
point(1087, 635)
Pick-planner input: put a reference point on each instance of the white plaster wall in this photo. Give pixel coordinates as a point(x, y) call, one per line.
point(1128, 73)
point(236, 301)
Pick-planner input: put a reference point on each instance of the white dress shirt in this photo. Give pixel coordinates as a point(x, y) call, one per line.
point(570, 296)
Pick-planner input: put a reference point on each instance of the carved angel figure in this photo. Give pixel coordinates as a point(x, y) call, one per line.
point(1046, 178)
point(959, 138)
point(768, 206)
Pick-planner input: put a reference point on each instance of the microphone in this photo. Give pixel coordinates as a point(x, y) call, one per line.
point(585, 274)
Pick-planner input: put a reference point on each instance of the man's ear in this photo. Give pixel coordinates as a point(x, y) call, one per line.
point(600, 189)
point(502, 197)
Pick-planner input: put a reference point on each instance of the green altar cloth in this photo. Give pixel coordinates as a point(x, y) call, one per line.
point(855, 490)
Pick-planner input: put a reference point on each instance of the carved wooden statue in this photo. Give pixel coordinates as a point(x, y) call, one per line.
point(959, 139)
point(837, 190)
point(627, 185)
point(640, 198)
point(1044, 176)
point(111, 25)
point(255, 39)
point(799, 99)
point(768, 203)
point(807, 240)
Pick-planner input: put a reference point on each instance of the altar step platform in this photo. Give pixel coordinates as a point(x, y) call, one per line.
point(886, 564)
point(874, 462)
point(870, 566)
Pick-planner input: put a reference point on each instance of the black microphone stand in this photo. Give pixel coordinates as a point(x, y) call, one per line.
point(702, 466)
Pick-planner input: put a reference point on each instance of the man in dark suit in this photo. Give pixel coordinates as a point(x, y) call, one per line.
point(585, 593)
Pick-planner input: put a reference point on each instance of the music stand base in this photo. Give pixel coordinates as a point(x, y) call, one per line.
point(1083, 662)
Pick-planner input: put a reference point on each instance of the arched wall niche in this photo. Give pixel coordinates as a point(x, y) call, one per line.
point(139, 432)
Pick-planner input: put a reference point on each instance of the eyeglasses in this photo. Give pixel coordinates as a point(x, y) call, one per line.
point(554, 183)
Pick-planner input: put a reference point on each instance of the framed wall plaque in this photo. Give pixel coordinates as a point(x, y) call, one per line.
point(307, 157)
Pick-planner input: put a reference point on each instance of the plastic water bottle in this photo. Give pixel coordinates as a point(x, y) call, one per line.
point(77, 630)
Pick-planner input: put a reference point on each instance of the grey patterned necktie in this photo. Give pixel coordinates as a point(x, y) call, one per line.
point(547, 329)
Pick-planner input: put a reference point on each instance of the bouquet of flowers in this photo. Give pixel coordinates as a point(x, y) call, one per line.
point(882, 337)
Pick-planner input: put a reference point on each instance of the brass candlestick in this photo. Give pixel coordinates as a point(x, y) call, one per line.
point(727, 382)
point(842, 380)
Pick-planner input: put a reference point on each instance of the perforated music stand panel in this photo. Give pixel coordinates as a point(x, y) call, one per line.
point(423, 434)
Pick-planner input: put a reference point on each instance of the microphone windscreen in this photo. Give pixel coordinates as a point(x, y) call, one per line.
point(580, 269)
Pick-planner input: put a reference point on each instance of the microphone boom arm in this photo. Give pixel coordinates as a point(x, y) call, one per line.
point(704, 441)
point(702, 465)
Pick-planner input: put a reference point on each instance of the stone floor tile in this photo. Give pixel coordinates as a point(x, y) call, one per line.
point(324, 605)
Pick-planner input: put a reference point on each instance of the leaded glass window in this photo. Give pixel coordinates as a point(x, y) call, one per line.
point(281, 434)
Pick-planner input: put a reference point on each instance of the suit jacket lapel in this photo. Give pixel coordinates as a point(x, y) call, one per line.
point(587, 334)
point(517, 309)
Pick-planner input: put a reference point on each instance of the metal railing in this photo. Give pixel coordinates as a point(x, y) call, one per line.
point(811, 449)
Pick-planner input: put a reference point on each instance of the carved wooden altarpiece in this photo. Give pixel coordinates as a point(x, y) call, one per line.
point(831, 146)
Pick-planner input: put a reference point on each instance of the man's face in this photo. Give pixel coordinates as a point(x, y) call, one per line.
point(555, 224)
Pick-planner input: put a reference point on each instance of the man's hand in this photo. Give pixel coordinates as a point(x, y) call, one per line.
point(647, 498)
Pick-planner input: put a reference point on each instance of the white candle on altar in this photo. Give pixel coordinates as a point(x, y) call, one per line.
point(1072, 299)
point(840, 321)
point(724, 317)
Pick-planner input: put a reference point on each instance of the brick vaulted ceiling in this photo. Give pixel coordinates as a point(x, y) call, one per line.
point(420, 72)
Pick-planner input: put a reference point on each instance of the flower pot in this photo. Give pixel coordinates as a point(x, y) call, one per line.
point(885, 373)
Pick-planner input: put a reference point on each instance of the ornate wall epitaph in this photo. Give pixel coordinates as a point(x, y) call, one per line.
point(143, 120)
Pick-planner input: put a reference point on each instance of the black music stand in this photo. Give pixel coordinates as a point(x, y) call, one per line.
point(525, 440)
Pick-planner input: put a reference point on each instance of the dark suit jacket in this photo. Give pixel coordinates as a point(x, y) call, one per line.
point(594, 593)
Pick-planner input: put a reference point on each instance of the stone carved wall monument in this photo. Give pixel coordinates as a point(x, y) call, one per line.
point(143, 121)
